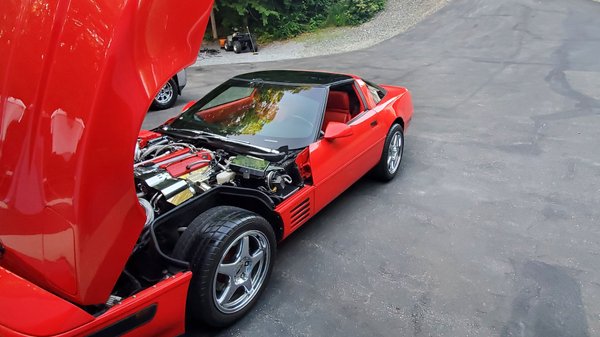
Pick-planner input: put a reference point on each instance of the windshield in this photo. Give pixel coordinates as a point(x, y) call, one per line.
point(260, 113)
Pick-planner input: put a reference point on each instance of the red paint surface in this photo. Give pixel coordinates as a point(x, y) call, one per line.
point(197, 161)
point(285, 209)
point(145, 136)
point(24, 308)
point(76, 79)
point(185, 107)
point(335, 164)
point(28, 310)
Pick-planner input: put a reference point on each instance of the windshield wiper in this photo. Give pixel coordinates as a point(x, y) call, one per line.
point(204, 134)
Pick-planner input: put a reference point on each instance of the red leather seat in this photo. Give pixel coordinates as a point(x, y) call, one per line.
point(338, 108)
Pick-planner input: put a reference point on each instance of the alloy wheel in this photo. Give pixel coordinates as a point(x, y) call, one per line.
point(394, 153)
point(165, 94)
point(241, 272)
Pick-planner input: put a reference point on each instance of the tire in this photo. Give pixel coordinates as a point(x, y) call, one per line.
point(391, 157)
point(212, 244)
point(237, 47)
point(166, 97)
point(228, 46)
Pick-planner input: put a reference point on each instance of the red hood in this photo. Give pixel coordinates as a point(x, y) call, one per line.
point(76, 79)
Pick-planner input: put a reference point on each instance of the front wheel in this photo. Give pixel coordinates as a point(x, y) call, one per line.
point(391, 157)
point(231, 253)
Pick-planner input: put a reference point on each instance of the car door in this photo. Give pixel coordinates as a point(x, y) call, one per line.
point(338, 163)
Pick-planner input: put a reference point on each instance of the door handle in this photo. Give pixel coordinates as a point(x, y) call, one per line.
point(374, 123)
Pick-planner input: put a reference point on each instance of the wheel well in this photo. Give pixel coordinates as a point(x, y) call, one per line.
point(254, 205)
point(251, 200)
point(177, 84)
point(400, 121)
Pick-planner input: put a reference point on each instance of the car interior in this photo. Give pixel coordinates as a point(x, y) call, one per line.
point(343, 104)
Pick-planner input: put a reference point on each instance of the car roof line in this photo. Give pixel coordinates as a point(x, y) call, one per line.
point(322, 85)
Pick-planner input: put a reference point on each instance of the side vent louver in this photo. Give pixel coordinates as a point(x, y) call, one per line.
point(300, 213)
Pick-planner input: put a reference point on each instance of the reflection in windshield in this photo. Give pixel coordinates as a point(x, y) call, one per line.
point(248, 114)
point(265, 114)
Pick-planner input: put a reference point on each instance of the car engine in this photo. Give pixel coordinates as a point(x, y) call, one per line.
point(168, 172)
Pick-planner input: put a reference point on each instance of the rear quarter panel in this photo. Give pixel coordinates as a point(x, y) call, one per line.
point(400, 100)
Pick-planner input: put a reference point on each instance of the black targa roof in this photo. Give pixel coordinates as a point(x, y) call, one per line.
point(295, 77)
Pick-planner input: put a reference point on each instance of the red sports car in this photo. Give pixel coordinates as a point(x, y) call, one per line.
point(247, 165)
point(105, 231)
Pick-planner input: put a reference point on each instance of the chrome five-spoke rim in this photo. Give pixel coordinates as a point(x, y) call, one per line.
point(241, 271)
point(394, 153)
point(165, 94)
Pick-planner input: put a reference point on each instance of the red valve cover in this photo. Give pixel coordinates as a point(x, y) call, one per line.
point(189, 162)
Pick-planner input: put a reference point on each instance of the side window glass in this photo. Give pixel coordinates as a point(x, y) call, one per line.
point(376, 95)
point(343, 104)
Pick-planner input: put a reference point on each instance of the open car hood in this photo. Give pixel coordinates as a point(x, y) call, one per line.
point(76, 80)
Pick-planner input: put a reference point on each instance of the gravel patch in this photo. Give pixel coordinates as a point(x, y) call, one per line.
point(397, 17)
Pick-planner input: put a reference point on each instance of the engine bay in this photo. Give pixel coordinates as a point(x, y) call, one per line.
point(170, 171)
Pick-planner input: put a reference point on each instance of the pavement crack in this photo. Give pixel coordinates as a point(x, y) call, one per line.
point(557, 79)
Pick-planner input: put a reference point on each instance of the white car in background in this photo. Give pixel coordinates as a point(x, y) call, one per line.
point(167, 96)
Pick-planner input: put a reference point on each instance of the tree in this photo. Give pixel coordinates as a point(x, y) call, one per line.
point(278, 19)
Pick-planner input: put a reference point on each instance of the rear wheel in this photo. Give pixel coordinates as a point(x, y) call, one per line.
point(391, 157)
point(231, 253)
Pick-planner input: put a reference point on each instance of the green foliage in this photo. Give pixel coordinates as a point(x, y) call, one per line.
point(280, 19)
point(359, 11)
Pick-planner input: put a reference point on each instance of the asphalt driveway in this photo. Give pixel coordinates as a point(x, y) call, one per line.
point(493, 226)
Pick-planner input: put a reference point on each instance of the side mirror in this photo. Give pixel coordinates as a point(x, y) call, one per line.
point(188, 105)
point(337, 130)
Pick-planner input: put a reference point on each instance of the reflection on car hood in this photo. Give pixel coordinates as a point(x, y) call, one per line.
point(76, 78)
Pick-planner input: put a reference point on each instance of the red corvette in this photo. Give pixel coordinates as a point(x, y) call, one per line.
point(105, 231)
